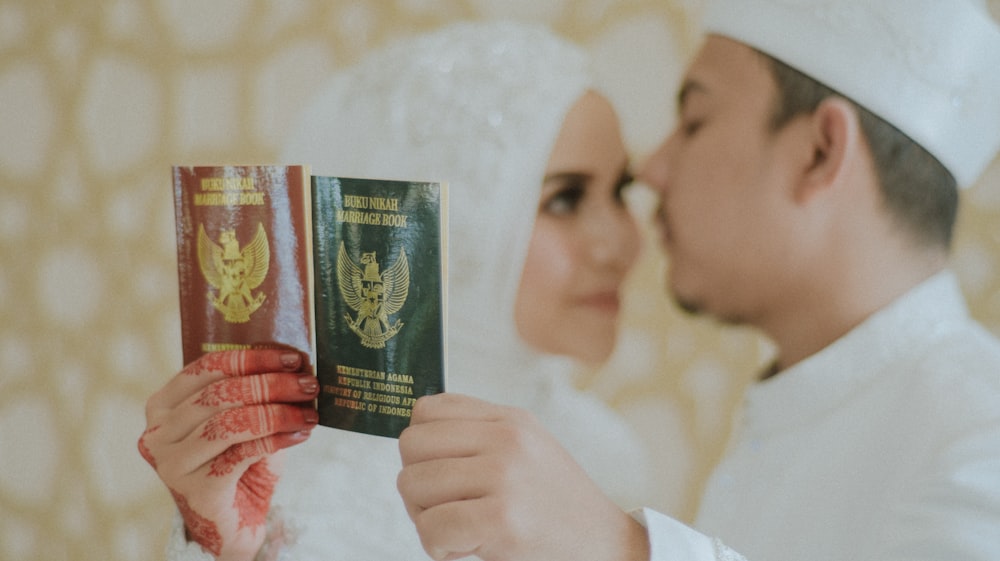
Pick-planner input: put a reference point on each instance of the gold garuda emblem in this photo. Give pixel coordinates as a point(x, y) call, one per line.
point(373, 295)
point(234, 272)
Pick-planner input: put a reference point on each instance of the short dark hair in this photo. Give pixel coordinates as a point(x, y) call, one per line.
point(919, 192)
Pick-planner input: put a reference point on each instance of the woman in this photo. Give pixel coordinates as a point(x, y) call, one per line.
point(540, 243)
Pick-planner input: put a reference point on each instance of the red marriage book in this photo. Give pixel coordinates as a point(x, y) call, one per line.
point(244, 257)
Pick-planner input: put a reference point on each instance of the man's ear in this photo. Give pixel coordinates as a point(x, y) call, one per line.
point(834, 135)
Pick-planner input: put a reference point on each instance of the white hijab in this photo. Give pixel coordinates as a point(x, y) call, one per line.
point(478, 105)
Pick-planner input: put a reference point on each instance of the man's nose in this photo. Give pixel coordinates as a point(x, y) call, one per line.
point(654, 171)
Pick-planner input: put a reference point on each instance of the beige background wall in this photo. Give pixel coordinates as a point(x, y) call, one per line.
point(97, 99)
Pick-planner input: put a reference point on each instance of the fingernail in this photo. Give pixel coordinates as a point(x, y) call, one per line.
point(290, 360)
point(310, 417)
point(308, 384)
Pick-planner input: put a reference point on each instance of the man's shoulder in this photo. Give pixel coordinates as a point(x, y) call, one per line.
point(959, 371)
point(969, 348)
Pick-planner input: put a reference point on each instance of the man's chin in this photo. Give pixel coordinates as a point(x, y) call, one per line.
point(697, 308)
point(687, 300)
point(689, 306)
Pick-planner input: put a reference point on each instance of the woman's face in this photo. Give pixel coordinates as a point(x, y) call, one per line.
point(584, 242)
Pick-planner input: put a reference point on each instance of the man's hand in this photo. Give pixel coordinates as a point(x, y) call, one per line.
point(481, 479)
point(212, 436)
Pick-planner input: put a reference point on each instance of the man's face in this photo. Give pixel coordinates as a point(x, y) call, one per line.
point(723, 177)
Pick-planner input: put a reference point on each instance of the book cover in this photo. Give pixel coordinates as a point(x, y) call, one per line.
point(379, 258)
point(244, 257)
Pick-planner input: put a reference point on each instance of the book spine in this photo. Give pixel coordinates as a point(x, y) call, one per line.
point(379, 300)
point(243, 257)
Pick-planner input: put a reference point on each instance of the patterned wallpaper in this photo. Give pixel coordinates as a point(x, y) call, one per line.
point(98, 98)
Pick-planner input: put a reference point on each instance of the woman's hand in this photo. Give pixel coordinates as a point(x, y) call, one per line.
point(486, 480)
point(213, 433)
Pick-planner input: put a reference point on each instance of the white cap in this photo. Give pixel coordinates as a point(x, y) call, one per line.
point(931, 68)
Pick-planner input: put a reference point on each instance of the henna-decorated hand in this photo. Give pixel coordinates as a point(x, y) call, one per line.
point(214, 434)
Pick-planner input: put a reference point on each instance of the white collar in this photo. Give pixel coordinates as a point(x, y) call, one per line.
point(828, 378)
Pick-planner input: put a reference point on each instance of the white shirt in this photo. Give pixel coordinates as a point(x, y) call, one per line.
point(883, 446)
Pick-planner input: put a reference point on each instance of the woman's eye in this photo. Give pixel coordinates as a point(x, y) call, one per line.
point(565, 201)
point(626, 181)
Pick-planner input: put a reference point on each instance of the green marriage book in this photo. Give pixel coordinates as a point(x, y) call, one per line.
point(379, 255)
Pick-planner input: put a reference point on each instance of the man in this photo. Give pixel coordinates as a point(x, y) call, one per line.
point(809, 190)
